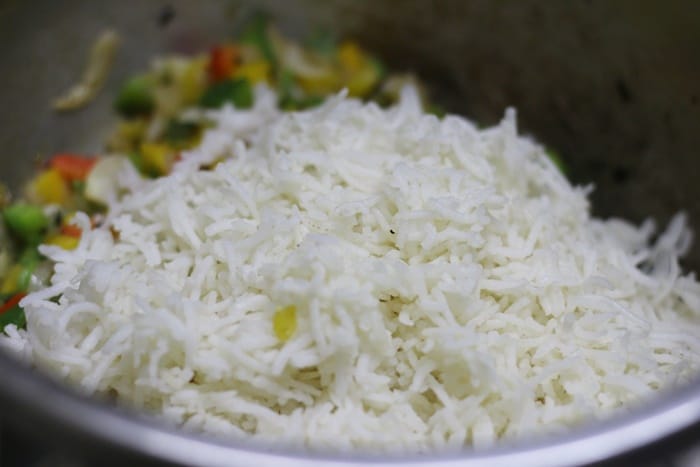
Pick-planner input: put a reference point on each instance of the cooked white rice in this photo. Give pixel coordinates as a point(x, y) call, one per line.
point(450, 284)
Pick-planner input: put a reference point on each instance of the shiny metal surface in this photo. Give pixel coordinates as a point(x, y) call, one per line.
point(613, 85)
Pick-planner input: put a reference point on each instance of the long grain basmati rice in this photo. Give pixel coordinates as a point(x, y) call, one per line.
point(448, 281)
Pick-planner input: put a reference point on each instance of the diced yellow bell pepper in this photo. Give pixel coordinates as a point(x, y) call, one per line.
point(9, 284)
point(193, 80)
point(361, 82)
point(133, 130)
point(351, 56)
point(361, 74)
point(127, 135)
point(255, 72)
point(64, 241)
point(50, 187)
point(326, 82)
point(284, 322)
point(156, 157)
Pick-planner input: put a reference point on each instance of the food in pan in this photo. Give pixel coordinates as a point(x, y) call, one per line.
point(284, 243)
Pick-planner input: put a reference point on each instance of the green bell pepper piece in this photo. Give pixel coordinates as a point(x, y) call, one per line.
point(237, 91)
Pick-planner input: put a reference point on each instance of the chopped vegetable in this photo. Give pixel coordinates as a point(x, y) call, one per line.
point(180, 133)
point(12, 313)
point(314, 73)
point(51, 188)
point(168, 79)
point(235, 91)
point(301, 103)
point(223, 61)
point(25, 277)
point(256, 34)
point(193, 80)
point(436, 110)
point(11, 302)
point(137, 161)
point(101, 58)
point(67, 242)
point(255, 72)
point(285, 89)
point(11, 280)
point(71, 166)
point(127, 135)
point(71, 230)
point(78, 186)
point(351, 56)
point(26, 221)
point(289, 99)
point(29, 260)
point(20, 274)
point(30, 256)
point(363, 80)
point(324, 80)
point(284, 322)
point(156, 158)
point(558, 161)
point(135, 98)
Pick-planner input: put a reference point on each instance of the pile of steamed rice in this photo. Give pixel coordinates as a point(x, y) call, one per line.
point(450, 285)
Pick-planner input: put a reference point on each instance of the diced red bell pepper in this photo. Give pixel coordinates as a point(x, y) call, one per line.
point(71, 230)
point(72, 167)
point(11, 302)
point(223, 60)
